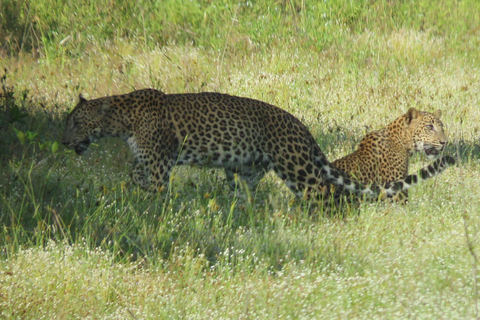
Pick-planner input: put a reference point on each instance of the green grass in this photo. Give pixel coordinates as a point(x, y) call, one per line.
point(78, 240)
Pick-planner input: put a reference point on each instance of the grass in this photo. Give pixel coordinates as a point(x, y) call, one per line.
point(78, 240)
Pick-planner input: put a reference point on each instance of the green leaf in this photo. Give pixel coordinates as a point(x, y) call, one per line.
point(20, 136)
point(31, 135)
point(54, 147)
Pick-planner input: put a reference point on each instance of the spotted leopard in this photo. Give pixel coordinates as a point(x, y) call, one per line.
point(382, 155)
point(244, 136)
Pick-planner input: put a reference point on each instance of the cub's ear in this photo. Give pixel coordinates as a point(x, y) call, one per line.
point(437, 114)
point(412, 114)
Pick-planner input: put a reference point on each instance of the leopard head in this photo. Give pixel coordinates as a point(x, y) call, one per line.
point(84, 124)
point(426, 132)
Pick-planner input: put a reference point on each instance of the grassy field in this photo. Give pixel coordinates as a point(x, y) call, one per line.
point(78, 240)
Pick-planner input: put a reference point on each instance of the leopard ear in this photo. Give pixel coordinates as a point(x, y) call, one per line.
point(81, 98)
point(411, 114)
point(437, 114)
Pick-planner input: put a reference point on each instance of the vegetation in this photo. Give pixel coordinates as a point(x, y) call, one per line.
point(78, 240)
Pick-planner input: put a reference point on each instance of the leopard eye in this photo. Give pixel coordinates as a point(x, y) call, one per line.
point(430, 126)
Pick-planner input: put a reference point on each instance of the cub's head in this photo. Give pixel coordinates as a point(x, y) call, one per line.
point(426, 132)
point(83, 124)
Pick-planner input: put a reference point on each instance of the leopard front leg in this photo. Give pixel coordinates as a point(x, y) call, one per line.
point(152, 175)
point(140, 174)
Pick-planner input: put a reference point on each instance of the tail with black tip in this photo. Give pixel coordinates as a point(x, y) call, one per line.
point(425, 173)
point(339, 178)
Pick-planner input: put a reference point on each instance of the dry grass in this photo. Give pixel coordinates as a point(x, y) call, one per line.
point(78, 241)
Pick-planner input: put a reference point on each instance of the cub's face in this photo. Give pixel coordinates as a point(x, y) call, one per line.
point(428, 135)
point(82, 125)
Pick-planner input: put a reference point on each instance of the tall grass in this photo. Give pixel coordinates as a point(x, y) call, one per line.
point(236, 25)
point(78, 240)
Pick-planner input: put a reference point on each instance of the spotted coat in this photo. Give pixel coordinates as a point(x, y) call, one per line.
point(243, 136)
